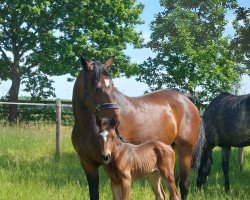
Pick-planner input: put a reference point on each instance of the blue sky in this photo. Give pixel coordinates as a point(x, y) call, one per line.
point(129, 86)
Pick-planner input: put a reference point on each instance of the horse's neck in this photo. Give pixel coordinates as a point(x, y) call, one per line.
point(84, 116)
point(122, 99)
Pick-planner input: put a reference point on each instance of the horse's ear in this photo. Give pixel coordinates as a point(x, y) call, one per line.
point(109, 62)
point(85, 64)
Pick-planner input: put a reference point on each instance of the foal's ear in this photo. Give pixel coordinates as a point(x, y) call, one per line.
point(85, 64)
point(109, 62)
point(115, 122)
point(98, 122)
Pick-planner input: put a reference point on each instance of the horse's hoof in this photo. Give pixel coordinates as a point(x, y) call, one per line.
point(199, 183)
point(227, 188)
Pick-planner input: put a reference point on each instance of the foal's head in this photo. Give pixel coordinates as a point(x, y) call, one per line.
point(107, 142)
point(98, 89)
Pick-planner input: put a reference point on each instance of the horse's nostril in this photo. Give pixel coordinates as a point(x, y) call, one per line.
point(106, 157)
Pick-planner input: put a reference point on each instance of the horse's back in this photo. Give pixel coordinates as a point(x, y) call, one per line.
point(227, 120)
point(161, 115)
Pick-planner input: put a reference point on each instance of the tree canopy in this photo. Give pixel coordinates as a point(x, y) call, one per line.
point(44, 37)
point(242, 36)
point(191, 52)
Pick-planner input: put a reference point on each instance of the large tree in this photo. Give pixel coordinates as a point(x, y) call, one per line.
point(45, 37)
point(242, 35)
point(191, 52)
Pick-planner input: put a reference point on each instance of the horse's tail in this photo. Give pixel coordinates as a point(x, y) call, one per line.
point(196, 158)
point(191, 98)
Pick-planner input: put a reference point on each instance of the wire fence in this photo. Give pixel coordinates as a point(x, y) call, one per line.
point(51, 110)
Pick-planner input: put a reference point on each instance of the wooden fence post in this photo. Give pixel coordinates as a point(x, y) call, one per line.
point(58, 127)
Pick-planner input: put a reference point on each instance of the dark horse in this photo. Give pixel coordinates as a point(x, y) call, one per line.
point(170, 115)
point(226, 123)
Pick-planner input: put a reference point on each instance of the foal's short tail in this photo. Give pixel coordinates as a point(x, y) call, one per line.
point(196, 158)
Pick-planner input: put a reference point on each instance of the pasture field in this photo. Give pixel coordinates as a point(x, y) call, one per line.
point(29, 171)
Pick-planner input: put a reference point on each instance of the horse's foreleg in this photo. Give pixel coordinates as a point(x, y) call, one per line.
point(205, 166)
point(225, 165)
point(155, 180)
point(92, 175)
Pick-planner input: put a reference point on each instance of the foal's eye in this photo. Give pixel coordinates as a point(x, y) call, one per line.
point(98, 90)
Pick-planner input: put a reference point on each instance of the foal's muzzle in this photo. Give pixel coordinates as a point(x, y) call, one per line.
point(106, 158)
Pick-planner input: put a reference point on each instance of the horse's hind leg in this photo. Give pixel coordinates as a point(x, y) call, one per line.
point(240, 157)
point(155, 180)
point(185, 156)
point(225, 165)
point(92, 175)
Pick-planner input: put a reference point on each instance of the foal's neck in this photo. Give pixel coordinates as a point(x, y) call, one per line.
point(118, 146)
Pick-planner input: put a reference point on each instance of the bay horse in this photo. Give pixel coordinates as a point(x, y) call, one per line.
point(164, 115)
point(125, 162)
point(226, 123)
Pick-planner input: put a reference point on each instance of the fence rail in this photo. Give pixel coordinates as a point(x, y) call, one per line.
point(35, 104)
point(58, 110)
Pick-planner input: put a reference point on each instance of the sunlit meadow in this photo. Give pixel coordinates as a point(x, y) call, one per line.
point(29, 170)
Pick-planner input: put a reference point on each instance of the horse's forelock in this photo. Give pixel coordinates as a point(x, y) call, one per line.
point(99, 70)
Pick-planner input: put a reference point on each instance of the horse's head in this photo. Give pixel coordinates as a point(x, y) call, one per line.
point(98, 89)
point(107, 142)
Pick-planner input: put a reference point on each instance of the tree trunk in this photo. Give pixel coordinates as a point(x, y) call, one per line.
point(13, 94)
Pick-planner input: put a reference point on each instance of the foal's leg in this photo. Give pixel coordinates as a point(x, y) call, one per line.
point(116, 190)
point(92, 175)
point(167, 173)
point(225, 165)
point(126, 184)
point(155, 180)
point(176, 174)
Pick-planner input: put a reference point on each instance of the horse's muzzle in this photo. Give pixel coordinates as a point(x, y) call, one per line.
point(106, 158)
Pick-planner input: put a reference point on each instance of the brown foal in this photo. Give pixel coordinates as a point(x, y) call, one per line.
point(124, 162)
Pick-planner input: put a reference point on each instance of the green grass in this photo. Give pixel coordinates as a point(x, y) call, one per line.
point(29, 170)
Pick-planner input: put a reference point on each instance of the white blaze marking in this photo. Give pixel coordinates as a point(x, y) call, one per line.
point(104, 134)
point(107, 82)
